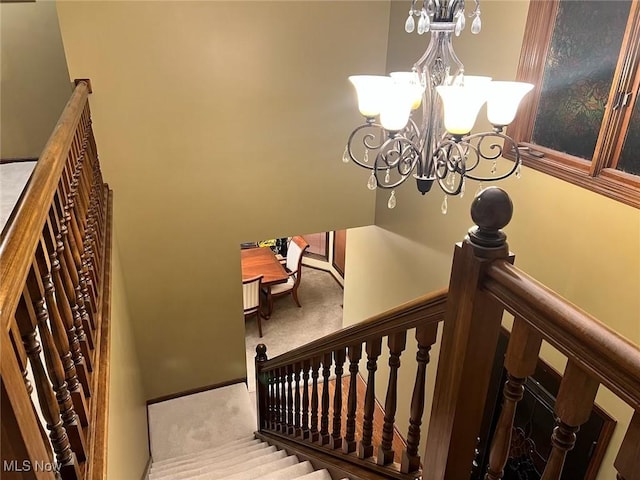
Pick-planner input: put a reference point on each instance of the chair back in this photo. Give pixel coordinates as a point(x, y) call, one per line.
point(297, 246)
point(251, 293)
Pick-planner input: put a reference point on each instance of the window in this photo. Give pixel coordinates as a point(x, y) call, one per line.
point(582, 123)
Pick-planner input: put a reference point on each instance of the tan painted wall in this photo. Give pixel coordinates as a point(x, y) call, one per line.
point(128, 441)
point(218, 122)
point(34, 80)
point(583, 245)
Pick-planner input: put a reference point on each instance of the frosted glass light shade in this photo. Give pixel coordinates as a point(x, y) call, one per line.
point(396, 106)
point(461, 106)
point(475, 81)
point(503, 99)
point(371, 90)
point(412, 82)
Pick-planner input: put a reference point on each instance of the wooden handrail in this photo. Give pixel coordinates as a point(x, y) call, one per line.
point(55, 261)
point(606, 355)
point(427, 308)
point(18, 245)
point(283, 410)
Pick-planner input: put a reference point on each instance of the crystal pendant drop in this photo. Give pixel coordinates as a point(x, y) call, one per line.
point(480, 189)
point(494, 167)
point(387, 176)
point(372, 183)
point(463, 188)
point(451, 179)
point(392, 200)
point(459, 26)
point(443, 207)
point(345, 155)
point(462, 20)
point(422, 23)
point(477, 24)
point(410, 24)
point(365, 159)
point(518, 171)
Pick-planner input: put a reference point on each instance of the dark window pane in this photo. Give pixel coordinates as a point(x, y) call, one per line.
point(578, 73)
point(630, 157)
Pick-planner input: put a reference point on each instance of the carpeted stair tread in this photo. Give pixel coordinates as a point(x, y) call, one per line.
point(201, 421)
point(261, 471)
point(221, 450)
point(289, 473)
point(227, 467)
point(317, 475)
point(251, 473)
point(211, 461)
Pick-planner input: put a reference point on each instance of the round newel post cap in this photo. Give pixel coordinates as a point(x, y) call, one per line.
point(491, 211)
point(261, 352)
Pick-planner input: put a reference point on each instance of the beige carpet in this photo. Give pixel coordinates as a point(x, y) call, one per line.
point(201, 421)
point(13, 178)
point(290, 326)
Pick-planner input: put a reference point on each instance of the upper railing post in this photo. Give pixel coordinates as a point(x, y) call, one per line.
point(261, 386)
point(471, 328)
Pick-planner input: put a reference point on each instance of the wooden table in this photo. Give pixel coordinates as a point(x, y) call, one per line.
point(262, 261)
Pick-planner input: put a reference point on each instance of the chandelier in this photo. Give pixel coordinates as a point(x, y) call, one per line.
point(434, 144)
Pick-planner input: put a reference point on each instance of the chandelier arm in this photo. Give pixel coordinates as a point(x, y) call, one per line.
point(449, 168)
point(407, 154)
point(366, 141)
point(493, 157)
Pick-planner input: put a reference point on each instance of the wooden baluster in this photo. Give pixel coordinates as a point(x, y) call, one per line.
point(83, 261)
point(72, 324)
point(373, 349)
point(336, 436)
point(70, 269)
point(278, 403)
point(315, 366)
point(520, 361)
point(290, 428)
point(72, 275)
point(306, 364)
point(82, 266)
point(60, 320)
point(283, 400)
point(296, 408)
point(324, 416)
point(65, 297)
point(573, 407)
point(55, 370)
point(397, 343)
point(21, 356)
point(355, 354)
point(271, 403)
point(65, 457)
point(425, 336)
point(261, 386)
point(41, 287)
point(627, 461)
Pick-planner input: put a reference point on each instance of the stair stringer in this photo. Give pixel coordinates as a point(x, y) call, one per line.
point(338, 468)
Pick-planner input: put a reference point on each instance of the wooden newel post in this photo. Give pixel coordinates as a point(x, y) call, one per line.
point(470, 335)
point(261, 386)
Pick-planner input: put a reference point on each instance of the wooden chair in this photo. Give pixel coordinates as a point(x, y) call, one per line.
point(297, 247)
point(251, 299)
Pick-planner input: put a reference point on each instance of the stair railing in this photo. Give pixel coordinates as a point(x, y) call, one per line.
point(483, 285)
point(54, 310)
point(300, 392)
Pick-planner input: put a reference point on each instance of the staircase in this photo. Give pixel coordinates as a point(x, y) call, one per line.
point(209, 436)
